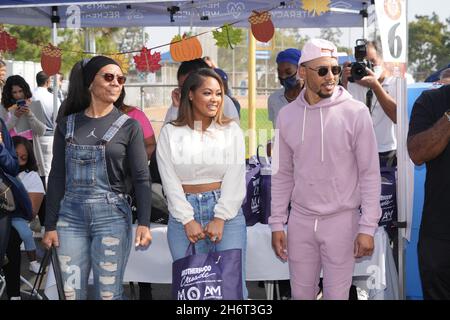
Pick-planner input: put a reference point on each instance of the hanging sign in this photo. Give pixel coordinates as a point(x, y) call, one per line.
point(391, 16)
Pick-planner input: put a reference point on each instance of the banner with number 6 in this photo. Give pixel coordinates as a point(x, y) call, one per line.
point(392, 22)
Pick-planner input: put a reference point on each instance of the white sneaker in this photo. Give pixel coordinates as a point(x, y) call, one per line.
point(35, 266)
point(15, 298)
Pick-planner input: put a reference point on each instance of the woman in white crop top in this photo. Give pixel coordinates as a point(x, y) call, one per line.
point(201, 160)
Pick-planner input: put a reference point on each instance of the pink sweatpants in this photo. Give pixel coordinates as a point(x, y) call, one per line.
point(316, 242)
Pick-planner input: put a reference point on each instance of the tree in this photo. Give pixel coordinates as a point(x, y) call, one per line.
point(283, 39)
point(429, 45)
point(30, 41)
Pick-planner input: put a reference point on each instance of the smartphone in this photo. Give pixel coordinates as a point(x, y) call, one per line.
point(21, 103)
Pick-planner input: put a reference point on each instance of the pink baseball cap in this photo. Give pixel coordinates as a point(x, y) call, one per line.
point(317, 48)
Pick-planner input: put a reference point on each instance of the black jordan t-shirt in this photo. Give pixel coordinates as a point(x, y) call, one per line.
point(126, 161)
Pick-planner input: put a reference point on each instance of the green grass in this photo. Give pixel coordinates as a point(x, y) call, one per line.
point(263, 127)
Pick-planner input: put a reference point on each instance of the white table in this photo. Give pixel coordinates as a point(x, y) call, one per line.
point(154, 264)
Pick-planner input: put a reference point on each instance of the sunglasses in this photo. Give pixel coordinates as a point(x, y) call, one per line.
point(323, 71)
point(109, 77)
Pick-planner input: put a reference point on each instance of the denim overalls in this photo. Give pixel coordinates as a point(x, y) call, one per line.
point(94, 223)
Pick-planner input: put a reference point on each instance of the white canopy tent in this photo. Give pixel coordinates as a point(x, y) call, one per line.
point(207, 13)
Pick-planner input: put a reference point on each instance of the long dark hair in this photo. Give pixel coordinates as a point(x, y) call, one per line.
point(31, 164)
point(2, 64)
point(79, 95)
point(192, 83)
point(7, 98)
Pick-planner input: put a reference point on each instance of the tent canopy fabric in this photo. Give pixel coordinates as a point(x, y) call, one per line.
point(200, 13)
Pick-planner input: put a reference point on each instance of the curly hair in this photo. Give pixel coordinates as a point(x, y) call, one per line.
point(7, 98)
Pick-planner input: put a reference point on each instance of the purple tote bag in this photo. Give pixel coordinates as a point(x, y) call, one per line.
point(251, 205)
point(216, 275)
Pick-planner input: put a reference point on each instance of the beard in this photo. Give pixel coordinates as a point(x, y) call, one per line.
point(323, 95)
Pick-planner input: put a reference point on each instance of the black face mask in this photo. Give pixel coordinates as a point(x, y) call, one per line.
point(289, 82)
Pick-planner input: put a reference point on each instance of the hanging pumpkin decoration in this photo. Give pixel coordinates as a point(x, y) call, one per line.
point(262, 26)
point(316, 6)
point(146, 61)
point(51, 59)
point(185, 49)
point(7, 42)
point(122, 60)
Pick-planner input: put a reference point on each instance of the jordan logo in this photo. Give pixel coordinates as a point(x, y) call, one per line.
point(92, 134)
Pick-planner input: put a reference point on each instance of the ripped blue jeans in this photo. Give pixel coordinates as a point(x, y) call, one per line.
point(94, 232)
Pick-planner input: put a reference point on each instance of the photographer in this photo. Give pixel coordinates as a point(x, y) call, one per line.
point(377, 89)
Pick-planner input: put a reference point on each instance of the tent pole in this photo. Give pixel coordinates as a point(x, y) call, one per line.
point(55, 21)
point(251, 94)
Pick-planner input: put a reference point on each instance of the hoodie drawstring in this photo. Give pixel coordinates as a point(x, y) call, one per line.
point(315, 225)
point(321, 131)
point(304, 122)
point(321, 135)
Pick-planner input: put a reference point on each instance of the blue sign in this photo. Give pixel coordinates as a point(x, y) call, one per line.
point(201, 13)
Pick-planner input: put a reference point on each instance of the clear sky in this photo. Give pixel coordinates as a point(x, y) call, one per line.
point(426, 7)
point(160, 36)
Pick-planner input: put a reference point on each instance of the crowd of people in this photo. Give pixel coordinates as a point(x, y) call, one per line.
point(87, 174)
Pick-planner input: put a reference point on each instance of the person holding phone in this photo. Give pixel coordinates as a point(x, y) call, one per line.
point(16, 99)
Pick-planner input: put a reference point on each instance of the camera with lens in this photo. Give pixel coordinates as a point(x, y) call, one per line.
point(358, 68)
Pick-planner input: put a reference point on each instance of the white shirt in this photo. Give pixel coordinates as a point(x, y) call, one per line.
point(46, 98)
point(385, 129)
point(32, 182)
point(276, 101)
point(187, 156)
point(229, 111)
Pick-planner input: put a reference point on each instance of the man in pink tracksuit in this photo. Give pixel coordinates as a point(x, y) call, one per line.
point(326, 165)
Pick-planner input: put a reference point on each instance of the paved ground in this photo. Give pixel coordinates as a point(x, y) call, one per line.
point(159, 291)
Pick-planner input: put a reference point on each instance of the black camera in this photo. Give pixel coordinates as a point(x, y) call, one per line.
point(358, 68)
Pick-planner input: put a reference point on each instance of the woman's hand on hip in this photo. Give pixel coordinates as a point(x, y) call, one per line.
point(143, 236)
point(194, 231)
point(214, 229)
point(50, 239)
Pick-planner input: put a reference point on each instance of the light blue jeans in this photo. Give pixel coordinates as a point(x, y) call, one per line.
point(25, 233)
point(234, 231)
point(97, 233)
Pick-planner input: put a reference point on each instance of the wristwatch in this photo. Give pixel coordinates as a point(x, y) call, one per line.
point(447, 114)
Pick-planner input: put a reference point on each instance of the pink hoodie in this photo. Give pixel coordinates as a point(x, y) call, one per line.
point(327, 161)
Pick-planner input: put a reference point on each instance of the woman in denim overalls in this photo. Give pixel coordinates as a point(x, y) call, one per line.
point(93, 226)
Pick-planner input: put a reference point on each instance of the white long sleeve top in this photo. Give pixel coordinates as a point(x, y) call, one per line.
point(187, 156)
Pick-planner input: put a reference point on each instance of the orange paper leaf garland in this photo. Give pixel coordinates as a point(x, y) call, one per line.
point(146, 61)
point(51, 59)
point(7, 42)
point(262, 26)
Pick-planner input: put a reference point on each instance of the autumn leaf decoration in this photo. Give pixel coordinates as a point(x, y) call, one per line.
point(7, 42)
point(122, 60)
point(227, 37)
point(146, 61)
point(316, 6)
